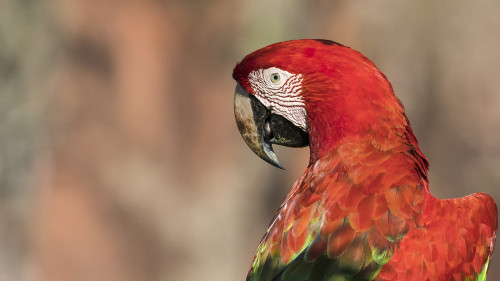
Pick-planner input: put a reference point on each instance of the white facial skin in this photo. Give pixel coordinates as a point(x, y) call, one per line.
point(279, 91)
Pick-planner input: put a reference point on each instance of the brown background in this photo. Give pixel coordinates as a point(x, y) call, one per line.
point(119, 154)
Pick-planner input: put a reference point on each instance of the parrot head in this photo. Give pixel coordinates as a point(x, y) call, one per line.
point(310, 92)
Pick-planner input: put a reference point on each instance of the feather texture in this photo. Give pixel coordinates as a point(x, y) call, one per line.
point(362, 210)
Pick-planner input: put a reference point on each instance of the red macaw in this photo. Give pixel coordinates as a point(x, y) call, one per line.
point(362, 210)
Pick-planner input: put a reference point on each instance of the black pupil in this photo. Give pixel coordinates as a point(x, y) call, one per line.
point(275, 77)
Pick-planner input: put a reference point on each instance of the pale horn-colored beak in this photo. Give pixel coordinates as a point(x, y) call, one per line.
point(253, 120)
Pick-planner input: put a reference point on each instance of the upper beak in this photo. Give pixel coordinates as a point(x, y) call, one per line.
point(260, 128)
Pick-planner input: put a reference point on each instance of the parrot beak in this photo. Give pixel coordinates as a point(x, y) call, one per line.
point(260, 128)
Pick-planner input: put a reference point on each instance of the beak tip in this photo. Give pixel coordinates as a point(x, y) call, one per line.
point(273, 161)
point(269, 156)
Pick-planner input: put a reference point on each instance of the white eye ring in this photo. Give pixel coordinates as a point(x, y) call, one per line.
point(275, 78)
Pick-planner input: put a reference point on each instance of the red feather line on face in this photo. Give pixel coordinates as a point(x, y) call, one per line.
point(363, 209)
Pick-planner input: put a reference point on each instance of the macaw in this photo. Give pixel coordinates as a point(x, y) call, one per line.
point(362, 210)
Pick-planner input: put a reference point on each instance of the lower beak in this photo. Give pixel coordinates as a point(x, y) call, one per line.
point(260, 128)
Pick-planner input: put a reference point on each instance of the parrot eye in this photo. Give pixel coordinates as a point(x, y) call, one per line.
point(275, 77)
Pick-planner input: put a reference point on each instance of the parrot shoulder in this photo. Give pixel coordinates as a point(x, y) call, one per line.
point(455, 241)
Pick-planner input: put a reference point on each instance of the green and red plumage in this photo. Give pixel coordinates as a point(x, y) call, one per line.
point(362, 209)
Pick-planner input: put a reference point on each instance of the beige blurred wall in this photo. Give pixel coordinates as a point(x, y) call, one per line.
point(119, 155)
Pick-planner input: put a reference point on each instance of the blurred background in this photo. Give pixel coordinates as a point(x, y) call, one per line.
point(119, 154)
